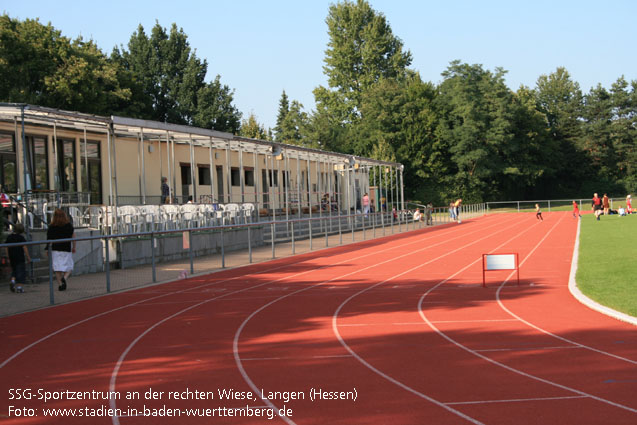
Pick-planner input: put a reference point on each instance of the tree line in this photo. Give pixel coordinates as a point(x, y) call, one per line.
point(468, 136)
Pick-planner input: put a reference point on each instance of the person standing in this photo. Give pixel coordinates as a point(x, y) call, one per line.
point(165, 191)
point(597, 206)
point(606, 204)
point(456, 209)
point(61, 252)
point(365, 204)
point(629, 207)
point(576, 210)
point(5, 203)
point(538, 212)
point(18, 257)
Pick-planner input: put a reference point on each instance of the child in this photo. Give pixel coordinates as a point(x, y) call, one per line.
point(538, 213)
point(576, 210)
point(17, 256)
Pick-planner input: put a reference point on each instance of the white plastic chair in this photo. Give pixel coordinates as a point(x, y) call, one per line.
point(76, 216)
point(190, 215)
point(231, 212)
point(150, 217)
point(170, 215)
point(247, 211)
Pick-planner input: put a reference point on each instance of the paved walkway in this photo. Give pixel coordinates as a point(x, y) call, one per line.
point(38, 295)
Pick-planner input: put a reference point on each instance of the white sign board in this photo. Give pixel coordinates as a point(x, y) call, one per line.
point(501, 262)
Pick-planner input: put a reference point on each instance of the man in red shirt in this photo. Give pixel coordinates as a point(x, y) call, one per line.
point(597, 206)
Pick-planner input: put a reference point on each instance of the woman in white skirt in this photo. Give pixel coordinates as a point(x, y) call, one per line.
point(61, 252)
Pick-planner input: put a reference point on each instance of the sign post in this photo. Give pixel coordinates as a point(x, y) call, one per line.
point(499, 262)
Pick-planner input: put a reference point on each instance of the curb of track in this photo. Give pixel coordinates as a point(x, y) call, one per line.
point(579, 296)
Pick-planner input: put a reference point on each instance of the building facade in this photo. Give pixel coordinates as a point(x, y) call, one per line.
point(116, 161)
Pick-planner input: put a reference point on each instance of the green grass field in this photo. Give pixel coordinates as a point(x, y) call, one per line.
point(607, 266)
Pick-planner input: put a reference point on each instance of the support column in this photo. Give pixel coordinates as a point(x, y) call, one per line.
point(241, 174)
point(228, 172)
point(192, 169)
point(210, 172)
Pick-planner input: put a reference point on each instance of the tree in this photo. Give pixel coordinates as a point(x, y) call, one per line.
point(397, 124)
point(362, 50)
point(294, 127)
point(215, 109)
point(252, 129)
point(41, 66)
point(476, 128)
point(624, 130)
point(529, 167)
point(284, 108)
point(173, 81)
point(560, 100)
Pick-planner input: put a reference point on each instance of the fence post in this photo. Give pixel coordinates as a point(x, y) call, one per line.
point(152, 255)
point(293, 245)
point(363, 219)
point(191, 252)
point(374, 225)
point(51, 291)
point(309, 222)
point(108, 266)
point(326, 237)
point(249, 245)
point(353, 221)
point(223, 250)
point(272, 237)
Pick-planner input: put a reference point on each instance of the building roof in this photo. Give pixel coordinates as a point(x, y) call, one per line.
point(154, 130)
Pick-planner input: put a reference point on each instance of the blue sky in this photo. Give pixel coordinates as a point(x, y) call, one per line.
point(262, 48)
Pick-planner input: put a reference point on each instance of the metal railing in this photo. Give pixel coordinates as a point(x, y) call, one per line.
point(111, 263)
point(547, 205)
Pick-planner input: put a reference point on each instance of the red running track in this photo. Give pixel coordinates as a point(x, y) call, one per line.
point(401, 324)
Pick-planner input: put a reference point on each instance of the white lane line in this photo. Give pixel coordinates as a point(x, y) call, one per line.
point(488, 350)
point(544, 331)
point(335, 356)
point(474, 321)
point(235, 347)
point(383, 374)
point(504, 366)
point(166, 294)
point(104, 313)
point(515, 400)
point(113, 380)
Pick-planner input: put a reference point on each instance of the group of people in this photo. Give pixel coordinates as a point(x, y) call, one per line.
point(61, 254)
point(454, 210)
point(602, 206)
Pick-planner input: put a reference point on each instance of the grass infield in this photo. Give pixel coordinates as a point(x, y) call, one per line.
point(607, 266)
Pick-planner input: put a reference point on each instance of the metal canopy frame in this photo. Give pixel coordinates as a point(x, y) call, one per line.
point(142, 131)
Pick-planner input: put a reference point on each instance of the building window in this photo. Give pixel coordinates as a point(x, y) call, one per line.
point(36, 162)
point(274, 178)
point(204, 175)
point(91, 170)
point(66, 165)
point(8, 169)
point(248, 176)
point(235, 176)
